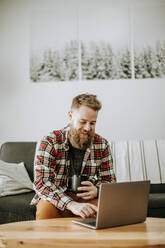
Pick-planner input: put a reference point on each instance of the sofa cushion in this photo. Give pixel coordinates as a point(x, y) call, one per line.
point(157, 188)
point(157, 200)
point(17, 208)
point(16, 152)
point(156, 212)
point(14, 179)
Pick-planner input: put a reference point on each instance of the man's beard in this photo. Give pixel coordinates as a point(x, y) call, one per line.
point(78, 140)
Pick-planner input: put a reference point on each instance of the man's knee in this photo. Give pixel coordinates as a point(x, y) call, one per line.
point(46, 210)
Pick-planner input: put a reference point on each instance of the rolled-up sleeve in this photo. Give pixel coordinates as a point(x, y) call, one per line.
point(106, 170)
point(45, 184)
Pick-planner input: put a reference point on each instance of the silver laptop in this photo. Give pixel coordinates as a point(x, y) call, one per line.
point(120, 204)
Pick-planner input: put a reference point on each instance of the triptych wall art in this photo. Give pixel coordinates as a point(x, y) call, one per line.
point(95, 41)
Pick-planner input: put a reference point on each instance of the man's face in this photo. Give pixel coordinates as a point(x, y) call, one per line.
point(82, 127)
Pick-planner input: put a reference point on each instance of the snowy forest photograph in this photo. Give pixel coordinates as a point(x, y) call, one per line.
point(95, 42)
point(149, 42)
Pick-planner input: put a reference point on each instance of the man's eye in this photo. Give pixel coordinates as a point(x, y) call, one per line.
point(82, 122)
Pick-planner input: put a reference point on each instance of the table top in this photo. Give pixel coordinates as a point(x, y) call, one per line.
point(61, 232)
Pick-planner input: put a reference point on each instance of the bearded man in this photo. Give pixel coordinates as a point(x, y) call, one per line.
point(75, 154)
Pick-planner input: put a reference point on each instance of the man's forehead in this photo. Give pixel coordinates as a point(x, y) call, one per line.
point(84, 108)
point(85, 114)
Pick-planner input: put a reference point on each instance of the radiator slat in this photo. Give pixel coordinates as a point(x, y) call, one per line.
point(139, 160)
point(161, 154)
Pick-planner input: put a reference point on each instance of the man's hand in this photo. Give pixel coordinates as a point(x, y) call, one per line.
point(91, 191)
point(84, 210)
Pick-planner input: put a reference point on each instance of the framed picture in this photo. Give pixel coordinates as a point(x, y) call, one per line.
point(97, 40)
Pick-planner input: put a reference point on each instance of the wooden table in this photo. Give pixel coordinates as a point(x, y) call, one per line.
point(63, 233)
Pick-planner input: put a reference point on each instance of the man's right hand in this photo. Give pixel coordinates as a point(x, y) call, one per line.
point(84, 210)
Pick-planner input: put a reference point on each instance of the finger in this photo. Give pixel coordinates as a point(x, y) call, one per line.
point(78, 212)
point(86, 212)
point(83, 188)
point(91, 211)
point(83, 194)
point(93, 207)
point(86, 183)
point(82, 215)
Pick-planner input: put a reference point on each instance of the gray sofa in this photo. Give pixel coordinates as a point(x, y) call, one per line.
point(17, 207)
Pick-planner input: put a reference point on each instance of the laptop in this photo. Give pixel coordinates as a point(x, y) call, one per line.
point(119, 204)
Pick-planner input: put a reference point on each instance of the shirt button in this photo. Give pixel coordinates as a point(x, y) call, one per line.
point(48, 184)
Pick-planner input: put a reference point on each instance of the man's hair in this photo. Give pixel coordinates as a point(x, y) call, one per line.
point(88, 100)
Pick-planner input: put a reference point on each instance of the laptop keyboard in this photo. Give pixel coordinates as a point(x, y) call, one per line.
point(91, 221)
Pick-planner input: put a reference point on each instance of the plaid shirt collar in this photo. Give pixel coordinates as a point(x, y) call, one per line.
point(66, 142)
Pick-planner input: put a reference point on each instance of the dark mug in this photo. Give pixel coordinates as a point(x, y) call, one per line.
point(74, 182)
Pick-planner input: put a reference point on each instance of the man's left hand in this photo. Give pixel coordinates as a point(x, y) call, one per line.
point(91, 190)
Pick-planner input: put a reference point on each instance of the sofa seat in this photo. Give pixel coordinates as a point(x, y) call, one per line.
point(157, 200)
point(156, 205)
point(17, 208)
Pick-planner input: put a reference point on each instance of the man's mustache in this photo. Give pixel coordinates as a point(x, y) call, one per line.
point(86, 132)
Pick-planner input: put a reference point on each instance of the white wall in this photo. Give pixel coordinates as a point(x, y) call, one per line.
point(132, 109)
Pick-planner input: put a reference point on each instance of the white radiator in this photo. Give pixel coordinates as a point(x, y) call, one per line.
point(139, 160)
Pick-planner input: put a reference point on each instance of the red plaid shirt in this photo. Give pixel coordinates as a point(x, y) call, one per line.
point(52, 167)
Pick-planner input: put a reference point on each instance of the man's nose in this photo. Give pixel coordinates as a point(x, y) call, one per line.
point(87, 127)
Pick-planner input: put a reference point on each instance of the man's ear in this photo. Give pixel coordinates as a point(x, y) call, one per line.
point(70, 115)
